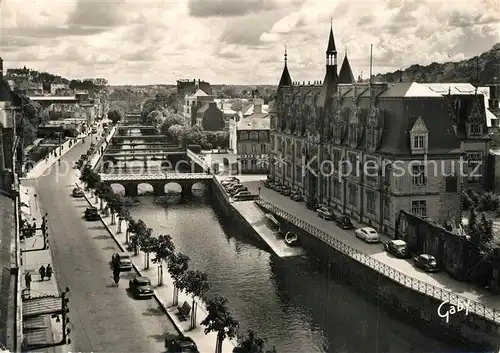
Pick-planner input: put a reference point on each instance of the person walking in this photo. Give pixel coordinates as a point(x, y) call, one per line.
point(116, 275)
point(27, 280)
point(48, 272)
point(41, 270)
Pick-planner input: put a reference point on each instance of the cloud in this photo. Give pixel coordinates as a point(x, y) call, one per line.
point(241, 41)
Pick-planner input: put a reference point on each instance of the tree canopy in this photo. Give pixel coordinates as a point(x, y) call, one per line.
point(115, 115)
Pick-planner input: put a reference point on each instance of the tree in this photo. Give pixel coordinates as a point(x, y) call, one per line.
point(178, 264)
point(115, 116)
point(115, 203)
point(153, 117)
point(102, 190)
point(195, 283)
point(130, 229)
point(93, 180)
point(169, 121)
point(147, 242)
point(163, 249)
point(123, 214)
point(251, 343)
point(139, 231)
point(480, 237)
point(220, 320)
point(176, 132)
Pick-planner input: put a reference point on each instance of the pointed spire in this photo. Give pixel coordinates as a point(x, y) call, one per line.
point(331, 49)
point(345, 74)
point(285, 79)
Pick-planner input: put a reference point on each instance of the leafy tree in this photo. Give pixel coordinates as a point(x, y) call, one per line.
point(178, 264)
point(251, 343)
point(123, 214)
point(115, 116)
point(115, 204)
point(169, 121)
point(153, 117)
point(176, 132)
point(220, 320)
point(93, 179)
point(139, 231)
point(237, 105)
point(130, 228)
point(163, 248)
point(196, 284)
point(480, 237)
point(102, 190)
point(147, 242)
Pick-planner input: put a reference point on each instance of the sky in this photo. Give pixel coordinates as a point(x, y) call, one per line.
point(237, 42)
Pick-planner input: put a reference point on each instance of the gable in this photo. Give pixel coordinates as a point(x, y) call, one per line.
point(419, 127)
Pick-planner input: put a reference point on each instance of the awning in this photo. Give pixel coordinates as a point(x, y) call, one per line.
point(41, 306)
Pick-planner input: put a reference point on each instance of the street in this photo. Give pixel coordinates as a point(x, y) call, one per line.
point(103, 318)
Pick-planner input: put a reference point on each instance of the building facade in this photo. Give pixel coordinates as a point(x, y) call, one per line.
point(252, 142)
point(189, 88)
point(210, 117)
point(370, 150)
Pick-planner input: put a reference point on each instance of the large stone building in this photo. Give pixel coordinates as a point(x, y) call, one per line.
point(371, 150)
point(189, 88)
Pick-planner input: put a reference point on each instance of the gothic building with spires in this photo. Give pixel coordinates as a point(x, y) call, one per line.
point(410, 146)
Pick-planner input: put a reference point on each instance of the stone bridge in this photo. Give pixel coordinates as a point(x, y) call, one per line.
point(158, 181)
point(149, 138)
point(144, 129)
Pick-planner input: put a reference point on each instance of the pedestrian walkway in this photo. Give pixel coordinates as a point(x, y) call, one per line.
point(44, 164)
point(206, 342)
point(42, 329)
point(440, 285)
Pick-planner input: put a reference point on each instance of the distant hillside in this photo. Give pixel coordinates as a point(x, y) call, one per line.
point(462, 71)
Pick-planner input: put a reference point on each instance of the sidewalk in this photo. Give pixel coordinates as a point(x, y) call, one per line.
point(164, 294)
point(47, 329)
point(45, 164)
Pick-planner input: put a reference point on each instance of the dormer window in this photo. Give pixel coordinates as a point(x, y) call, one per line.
point(419, 137)
point(418, 142)
point(475, 129)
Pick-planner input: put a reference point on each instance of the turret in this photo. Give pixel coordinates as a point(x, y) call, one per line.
point(285, 80)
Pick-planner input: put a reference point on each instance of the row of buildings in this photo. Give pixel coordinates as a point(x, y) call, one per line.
point(423, 143)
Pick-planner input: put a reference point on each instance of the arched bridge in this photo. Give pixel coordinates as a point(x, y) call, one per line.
point(140, 137)
point(130, 182)
point(145, 129)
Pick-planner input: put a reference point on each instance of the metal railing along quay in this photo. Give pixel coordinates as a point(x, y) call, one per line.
point(156, 176)
point(441, 294)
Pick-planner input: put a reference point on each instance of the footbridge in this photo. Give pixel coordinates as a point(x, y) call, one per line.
point(141, 154)
point(140, 137)
point(144, 148)
point(158, 181)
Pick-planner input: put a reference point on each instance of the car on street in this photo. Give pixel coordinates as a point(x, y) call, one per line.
point(344, 222)
point(243, 196)
point(325, 213)
point(398, 248)
point(141, 287)
point(269, 184)
point(77, 193)
point(230, 180)
point(122, 261)
point(91, 214)
point(234, 186)
point(296, 196)
point(285, 190)
point(367, 234)
point(180, 344)
point(426, 262)
point(311, 205)
point(234, 191)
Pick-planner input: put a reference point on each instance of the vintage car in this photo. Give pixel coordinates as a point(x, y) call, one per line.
point(91, 214)
point(397, 247)
point(325, 213)
point(182, 344)
point(344, 222)
point(78, 193)
point(122, 261)
point(426, 262)
point(141, 287)
point(368, 235)
point(296, 196)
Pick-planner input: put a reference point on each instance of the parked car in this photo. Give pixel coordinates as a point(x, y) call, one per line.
point(296, 196)
point(234, 186)
point(230, 180)
point(234, 191)
point(91, 214)
point(368, 235)
point(344, 222)
point(122, 260)
point(311, 205)
point(284, 190)
point(426, 262)
point(78, 164)
point(277, 186)
point(78, 193)
point(269, 184)
point(242, 193)
point(141, 287)
point(397, 247)
point(243, 196)
point(181, 344)
point(325, 213)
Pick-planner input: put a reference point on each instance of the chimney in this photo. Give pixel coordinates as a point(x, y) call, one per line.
point(1, 68)
point(257, 105)
point(197, 84)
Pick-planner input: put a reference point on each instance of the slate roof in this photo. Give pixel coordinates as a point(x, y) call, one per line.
point(5, 91)
point(204, 108)
point(345, 74)
point(331, 49)
point(257, 121)
point(285, 79)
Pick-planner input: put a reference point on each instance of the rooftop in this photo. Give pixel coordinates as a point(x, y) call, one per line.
point(54, 98)
point(258, 121)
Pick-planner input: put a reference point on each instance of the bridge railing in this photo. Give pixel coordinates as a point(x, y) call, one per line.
point(440, 294)
point(197, 159)
point(156, 176)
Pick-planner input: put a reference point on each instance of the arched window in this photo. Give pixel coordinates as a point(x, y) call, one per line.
point(262, 135)
point(254, 135)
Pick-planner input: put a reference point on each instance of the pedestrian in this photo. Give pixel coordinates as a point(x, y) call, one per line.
point(116, 275)
point(48, 272)
point(27, 280)
point(42, 272)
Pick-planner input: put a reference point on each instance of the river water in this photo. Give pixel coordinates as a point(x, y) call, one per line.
point(292, 302)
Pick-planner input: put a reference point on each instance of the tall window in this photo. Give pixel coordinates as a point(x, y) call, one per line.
point(336, 188)
point(298, 173)
point(419, 207)
point(336, 159)
point(418, 175)
point(354, 165)
point(371, 202)
point(263, 149)
point(475, 129)
point(353, 194)
point(298, 149)
point(387, 207)
point(254, 135)
point(418, 142)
